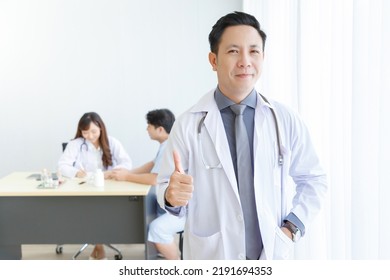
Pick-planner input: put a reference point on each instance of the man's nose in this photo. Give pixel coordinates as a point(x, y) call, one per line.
point(244, 60)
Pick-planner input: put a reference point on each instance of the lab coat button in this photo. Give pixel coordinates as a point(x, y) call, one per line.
point(241, 256)
point(240, 218)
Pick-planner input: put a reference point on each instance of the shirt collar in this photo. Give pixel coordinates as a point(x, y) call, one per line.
point(223, 102)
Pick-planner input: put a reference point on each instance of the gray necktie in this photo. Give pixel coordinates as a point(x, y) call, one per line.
point(244, 174)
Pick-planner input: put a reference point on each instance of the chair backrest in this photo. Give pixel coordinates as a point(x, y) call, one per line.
point(64, 146)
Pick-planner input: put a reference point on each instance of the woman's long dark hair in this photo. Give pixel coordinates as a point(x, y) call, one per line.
point(84, 124)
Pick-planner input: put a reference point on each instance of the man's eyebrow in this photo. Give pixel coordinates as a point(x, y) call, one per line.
point(232, 46)
point(237, 46)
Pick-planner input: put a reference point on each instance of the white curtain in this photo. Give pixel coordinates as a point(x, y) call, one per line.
point(329, 60)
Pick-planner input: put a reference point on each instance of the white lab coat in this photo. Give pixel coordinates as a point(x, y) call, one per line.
point(215, 224)
point(78, 155)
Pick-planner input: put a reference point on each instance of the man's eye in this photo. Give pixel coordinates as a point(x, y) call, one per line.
point(233, 51)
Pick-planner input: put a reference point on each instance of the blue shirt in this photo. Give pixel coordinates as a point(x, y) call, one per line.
point(157, 160)
point(156, 167)
point(228, 118)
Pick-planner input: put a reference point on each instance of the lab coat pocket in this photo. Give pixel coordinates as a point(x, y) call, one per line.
point(206, 248)
point(283, 247)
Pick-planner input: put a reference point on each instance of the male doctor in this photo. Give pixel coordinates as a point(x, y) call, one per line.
point(226, 168)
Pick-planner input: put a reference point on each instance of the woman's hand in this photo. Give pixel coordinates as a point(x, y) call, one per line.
point(81, 174)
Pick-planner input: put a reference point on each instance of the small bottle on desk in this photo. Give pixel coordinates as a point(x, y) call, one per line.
point(46, 179)
point(99, 178)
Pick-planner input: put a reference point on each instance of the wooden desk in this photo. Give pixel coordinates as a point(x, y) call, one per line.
point(73, 214)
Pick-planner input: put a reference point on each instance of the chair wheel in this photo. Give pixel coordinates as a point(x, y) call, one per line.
point(118, 257)
point(59, 249)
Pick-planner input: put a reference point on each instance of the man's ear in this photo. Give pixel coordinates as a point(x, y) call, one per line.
point(213, 60)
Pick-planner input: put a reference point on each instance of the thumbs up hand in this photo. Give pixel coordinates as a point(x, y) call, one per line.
point(180, 187)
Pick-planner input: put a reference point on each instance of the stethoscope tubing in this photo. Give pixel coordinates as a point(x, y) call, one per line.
point(280, 155)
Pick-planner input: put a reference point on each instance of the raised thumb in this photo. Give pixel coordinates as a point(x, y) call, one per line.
point(177, 161)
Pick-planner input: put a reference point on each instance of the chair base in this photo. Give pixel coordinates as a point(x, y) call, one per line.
point(118, 256)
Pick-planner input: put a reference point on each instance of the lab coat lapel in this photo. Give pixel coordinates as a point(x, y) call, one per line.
point(258, 131)
point(214, 125)
point(262, 152)
point(215, 128)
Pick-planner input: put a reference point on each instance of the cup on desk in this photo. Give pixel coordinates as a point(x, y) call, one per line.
point(96, 178)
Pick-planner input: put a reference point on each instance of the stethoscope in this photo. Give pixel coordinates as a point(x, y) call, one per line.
point(83, 149)
point(219, 165)
point(84, 144)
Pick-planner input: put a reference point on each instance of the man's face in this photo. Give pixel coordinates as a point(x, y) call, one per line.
point(152, 131)
point(239, 61)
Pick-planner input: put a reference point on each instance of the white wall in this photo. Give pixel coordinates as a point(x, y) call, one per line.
point(59, 59)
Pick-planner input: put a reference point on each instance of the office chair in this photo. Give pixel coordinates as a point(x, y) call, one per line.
point(60, 247)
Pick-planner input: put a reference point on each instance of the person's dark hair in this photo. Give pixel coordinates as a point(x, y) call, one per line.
point(84, 124)
point(233, 19)
point(161, 117)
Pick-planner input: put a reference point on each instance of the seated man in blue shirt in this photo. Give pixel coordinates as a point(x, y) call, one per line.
point(165, 226)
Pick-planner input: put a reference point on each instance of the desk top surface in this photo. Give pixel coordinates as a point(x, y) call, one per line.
point(18, 184)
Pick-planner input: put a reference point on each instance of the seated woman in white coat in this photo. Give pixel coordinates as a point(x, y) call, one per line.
point(92, 149)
